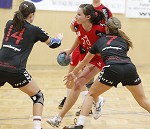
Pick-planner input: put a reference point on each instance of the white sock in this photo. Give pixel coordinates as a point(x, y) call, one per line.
point(81, 120)
point(68, 92)
point(83, 94)
point(37, 122)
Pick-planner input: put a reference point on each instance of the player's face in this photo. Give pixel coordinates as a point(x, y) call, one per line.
point(80, 17)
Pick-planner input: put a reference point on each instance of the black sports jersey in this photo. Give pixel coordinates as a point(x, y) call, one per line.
point(113, 49)
point(17, 46)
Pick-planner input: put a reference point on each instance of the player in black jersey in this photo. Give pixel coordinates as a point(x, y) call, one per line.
point(19, 37)
point(113, 48)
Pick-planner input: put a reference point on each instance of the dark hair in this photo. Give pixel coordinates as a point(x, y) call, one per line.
point(25, 9)
point(96, 16)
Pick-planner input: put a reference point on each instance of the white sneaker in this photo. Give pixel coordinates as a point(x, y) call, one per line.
point(98, 108)
point(55, 121)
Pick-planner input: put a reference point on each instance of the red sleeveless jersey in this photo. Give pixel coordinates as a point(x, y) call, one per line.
point(87, 39)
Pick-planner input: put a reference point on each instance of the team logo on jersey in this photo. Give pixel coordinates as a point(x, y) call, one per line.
point(11, 47)
point(76, 27)
point(78, 33)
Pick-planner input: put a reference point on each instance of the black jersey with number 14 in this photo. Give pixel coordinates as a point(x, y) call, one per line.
point(16, 46)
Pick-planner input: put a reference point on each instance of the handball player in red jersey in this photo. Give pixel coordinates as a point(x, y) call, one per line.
point(88, 32)
point(75, 54)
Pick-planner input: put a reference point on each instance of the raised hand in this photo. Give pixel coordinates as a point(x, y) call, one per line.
point(60, 36)
point(69, 78)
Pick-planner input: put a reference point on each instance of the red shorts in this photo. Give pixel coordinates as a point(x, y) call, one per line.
point(75, 57)
point(96, 61)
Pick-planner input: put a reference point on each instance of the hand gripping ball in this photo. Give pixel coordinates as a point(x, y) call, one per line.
point(61, 59)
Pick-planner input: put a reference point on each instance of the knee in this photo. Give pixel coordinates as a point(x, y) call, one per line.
point(38, 98)
point(145, 104)
point(78, 86)
point(92, 93)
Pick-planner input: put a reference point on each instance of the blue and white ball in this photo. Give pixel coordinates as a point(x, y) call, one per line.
point(61, 59)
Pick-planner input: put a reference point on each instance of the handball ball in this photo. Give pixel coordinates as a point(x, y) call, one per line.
point(61, 59)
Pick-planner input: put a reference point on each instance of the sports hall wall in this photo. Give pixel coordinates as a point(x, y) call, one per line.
point(54, 22)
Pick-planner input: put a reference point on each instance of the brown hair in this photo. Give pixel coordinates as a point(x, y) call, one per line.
point(114, 26)
point(25, 9)
point(96, 16)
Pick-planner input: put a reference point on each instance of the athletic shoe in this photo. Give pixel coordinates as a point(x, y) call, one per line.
point(55, 121)
point(78, 112)
point(73, 127)
point(98, 109)
point(60, 106)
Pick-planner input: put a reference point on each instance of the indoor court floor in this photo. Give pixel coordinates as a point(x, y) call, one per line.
point(119, 112)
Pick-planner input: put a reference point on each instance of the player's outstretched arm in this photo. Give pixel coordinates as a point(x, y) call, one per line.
point(55, 42)
point(84, 62)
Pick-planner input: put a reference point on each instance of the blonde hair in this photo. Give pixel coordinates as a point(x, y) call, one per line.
point(125, 37)
point(114, 26)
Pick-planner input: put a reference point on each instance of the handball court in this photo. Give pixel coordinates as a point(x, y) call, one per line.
point(119, 112)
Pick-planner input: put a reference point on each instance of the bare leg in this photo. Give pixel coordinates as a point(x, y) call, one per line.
point(96, 89)
point(70, 70)
point(32, 89)
point(69, 87)
point(89, 72)
point(139, 95)
point(72, 83)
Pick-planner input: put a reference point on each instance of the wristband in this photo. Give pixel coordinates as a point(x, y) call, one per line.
point(54, 43)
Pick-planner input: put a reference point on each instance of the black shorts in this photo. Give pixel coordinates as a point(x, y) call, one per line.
point(111, 75)
point(16, 80)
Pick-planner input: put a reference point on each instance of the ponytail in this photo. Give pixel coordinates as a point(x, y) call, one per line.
point(114, 26)
point(18, 21)
point(125, 37)
point(25, 9)
point(99, 16)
